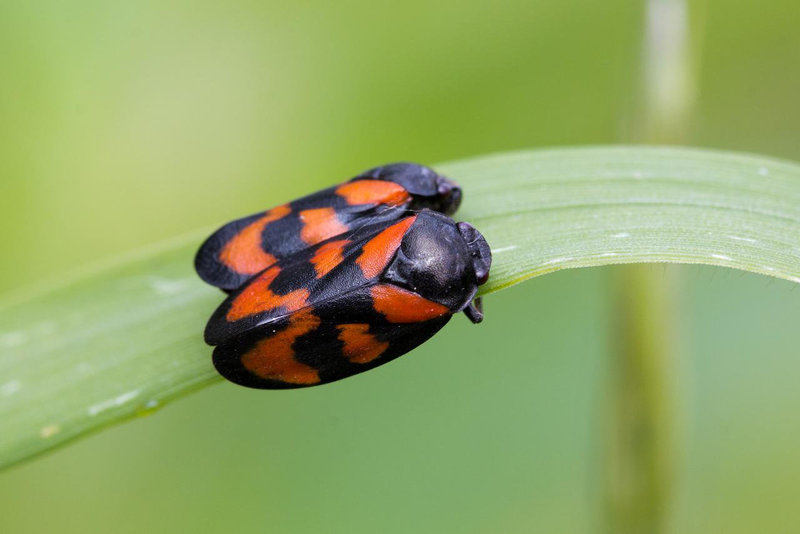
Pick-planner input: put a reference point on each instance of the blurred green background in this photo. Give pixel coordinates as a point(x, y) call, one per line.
point(124, 123)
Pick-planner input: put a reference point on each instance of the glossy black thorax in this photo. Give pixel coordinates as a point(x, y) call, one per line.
point(438, 262)
point(427, 188)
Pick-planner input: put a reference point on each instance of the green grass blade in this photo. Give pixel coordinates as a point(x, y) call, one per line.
point(547, 210)
point(123, 339)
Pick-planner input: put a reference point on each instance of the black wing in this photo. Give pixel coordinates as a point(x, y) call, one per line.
point(244, 247)
point(340, 337)
point(305, 279)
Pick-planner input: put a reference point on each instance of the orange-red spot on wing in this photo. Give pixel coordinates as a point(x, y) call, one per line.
point(402, 306)
point(328, 256)
point(378, 251)
point(257, 297)
point(320, 224)
point(244, 253)
point(273, 358)
point(373, 192)
point(359, 345)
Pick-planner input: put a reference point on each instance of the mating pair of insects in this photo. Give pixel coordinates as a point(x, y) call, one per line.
point(342, 280)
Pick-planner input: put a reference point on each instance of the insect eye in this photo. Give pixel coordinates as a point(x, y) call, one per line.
point(479, 251)
point(448, 196)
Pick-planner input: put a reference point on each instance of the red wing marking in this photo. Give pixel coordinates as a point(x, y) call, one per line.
point(272, 358)
point(373, 192)
point(359, 345)
point(402, 306)
point(244, 252)
point(320, 224)
point(328, 256)
point(257, 297)
point(378, 251)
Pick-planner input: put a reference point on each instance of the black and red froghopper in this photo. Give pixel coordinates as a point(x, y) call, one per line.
point(244, 247)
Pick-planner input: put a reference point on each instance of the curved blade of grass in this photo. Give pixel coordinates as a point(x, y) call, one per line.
point(124, 338)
